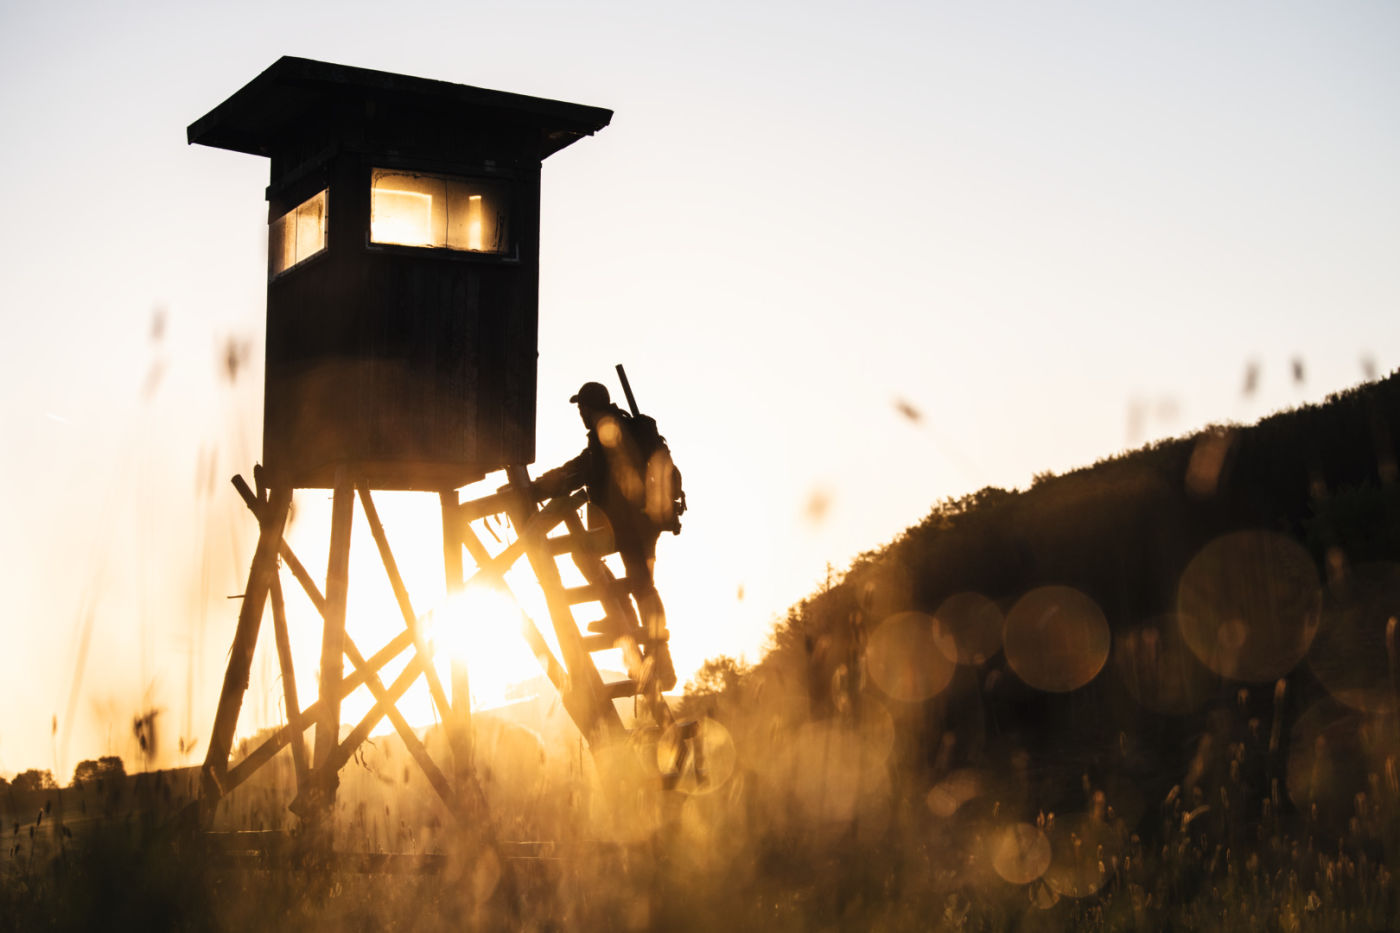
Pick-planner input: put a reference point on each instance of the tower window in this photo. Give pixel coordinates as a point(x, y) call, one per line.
point(419, 209)
point(297, 235)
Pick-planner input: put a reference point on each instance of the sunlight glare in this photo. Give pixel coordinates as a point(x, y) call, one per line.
point(480, 627)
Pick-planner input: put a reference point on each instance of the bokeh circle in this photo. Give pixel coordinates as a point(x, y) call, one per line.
point(1250, 604)
point(974, 624)
point(907, 657)
point(1020, 853)
point(1155, 665)
point(1083, 847)
point(1349, 655)
point(1056, 639)
point(700, 763)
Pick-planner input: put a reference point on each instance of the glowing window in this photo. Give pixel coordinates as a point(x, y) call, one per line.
point(297, 235)
point(418, 209)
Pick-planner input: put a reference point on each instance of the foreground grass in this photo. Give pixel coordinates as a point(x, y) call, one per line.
point(752, 854)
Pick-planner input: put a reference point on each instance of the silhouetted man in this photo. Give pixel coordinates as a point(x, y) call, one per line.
point(613, 468)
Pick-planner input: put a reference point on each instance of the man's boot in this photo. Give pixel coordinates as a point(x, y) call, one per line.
point(665, 670)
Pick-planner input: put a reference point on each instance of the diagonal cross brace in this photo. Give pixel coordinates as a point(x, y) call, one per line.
point(365, 672)
point(410, 618)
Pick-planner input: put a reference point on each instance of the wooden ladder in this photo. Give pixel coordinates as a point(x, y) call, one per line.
point(586, 697)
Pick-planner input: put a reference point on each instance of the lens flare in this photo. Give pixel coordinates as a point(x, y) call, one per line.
point(953, 791)
point(907, 657)
point(1020, 853)
point(1250, 604)
point(1155, 665)
point(1349, 655)
point(1056, 639)
point(1208, 463)
point(1083, 851)
point(704, 761)
point(974, 624)
point(1333, 752)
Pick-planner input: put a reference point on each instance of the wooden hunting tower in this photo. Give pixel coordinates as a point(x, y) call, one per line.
point(402, 311)
point(403, 269)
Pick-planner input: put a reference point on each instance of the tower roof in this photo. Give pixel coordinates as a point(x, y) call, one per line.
point(296, 92)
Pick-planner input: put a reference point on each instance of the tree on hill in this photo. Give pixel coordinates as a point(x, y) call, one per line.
point(95, 772)
point(34, 779)
point(717, 675)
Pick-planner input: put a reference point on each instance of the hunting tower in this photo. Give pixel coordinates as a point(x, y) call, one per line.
point(403, 269)
point(402, 311)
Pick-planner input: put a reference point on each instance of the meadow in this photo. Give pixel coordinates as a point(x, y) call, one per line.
point(1158, 693)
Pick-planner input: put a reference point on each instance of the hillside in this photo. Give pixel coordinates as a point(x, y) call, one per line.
point(1272, 538)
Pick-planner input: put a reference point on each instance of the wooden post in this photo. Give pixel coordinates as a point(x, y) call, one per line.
point(333, 628)
point(245, 639)
point(460, 725)
point(289, 679)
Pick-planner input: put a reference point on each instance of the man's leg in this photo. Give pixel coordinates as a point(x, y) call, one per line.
point(638, 566)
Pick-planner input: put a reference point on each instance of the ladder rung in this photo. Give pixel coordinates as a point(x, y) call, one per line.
point(590, 593)
point(568, 543)
point(480, 508)
point(581, 594)
point(599, 642)
point(620, 689)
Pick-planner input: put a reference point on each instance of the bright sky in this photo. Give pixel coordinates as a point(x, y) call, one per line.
point(1053, 229)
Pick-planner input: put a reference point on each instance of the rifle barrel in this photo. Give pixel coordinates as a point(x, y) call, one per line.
point(627, 390)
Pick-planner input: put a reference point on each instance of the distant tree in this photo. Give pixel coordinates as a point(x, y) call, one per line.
point(92, 772)
point(4, 783)
point(34, 779)
point(85, 773)
point(716, 676)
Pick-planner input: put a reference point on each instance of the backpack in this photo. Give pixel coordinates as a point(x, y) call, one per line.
point(665, 497)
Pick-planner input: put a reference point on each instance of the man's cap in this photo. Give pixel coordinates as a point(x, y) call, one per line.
point(593, 395)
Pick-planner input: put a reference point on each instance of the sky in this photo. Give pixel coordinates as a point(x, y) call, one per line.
point(857, 258)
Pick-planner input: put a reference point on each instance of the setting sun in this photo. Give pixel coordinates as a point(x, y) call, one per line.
point(481, 629)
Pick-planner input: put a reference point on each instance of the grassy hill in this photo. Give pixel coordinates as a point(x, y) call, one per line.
point(1159, 692)
point(1167, 667)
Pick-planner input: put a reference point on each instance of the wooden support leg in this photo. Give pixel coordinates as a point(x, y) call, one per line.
point(289, 679)
point(333, 628)
point(459, 727)
point(363, 672)
point(245, 639)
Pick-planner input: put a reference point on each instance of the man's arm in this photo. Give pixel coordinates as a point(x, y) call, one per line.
point(562, 479)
